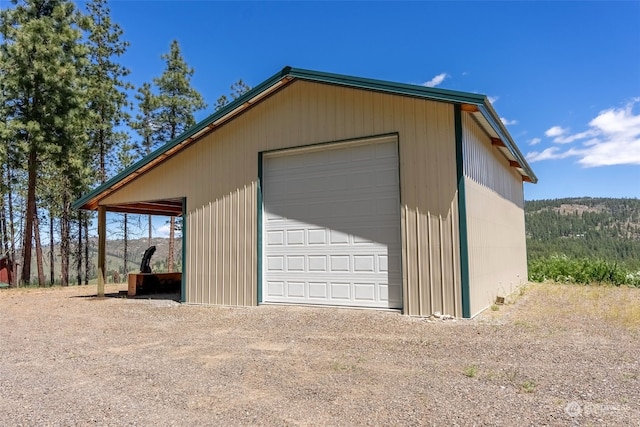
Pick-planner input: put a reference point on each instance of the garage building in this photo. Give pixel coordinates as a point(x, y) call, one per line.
point(325, 189)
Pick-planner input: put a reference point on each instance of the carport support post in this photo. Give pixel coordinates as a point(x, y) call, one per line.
point(102, 241)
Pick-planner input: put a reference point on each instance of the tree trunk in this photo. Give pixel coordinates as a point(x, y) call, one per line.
point(3, 225)
point(39, 264)
point(86, 249)
point(29, 215)
point(172, 239)
point(64, 241)
point(126, 252)
point(52, 256)
point(12, 231)
point(79, 251)
point(103, 169)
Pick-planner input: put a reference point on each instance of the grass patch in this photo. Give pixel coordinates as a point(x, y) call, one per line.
point(470, 371)
point(344, 365)
point(565, 304)
point(528, 386)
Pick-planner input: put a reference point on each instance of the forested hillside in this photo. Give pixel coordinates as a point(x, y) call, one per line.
point(604, 228)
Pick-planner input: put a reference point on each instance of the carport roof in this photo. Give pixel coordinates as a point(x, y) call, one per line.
point(475, 104)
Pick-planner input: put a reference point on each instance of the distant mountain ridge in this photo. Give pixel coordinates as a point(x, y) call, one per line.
point(115, 257)
point(607, 228)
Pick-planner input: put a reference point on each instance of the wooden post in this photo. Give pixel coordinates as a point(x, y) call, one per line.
point(102, 241)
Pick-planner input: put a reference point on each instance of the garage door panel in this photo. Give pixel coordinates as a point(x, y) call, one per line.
point(317, 236)
point(332, 227)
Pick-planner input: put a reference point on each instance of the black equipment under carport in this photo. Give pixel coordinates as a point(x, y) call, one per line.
point(145, 266)
point(148, 282)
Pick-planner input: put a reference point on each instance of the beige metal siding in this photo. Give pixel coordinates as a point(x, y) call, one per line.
point(485, 165)
point(218, 176)
point(495, 219)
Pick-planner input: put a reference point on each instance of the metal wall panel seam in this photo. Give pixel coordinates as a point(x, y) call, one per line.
point(420, 285)
point(259, 227)
point(183, 285)
point(453, 261)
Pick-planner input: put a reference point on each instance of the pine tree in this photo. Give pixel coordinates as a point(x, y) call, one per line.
point(144, 125)
point(45, 98)
point(221, 102)
point(107, 95)
point(125, 159)
point(177, 102)
point(238, 89)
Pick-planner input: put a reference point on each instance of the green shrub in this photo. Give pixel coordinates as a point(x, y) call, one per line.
point(561, 268)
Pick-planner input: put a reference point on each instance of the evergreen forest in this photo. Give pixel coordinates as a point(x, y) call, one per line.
point(69, 120)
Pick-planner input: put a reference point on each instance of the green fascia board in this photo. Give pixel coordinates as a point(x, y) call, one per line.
point(443, 95)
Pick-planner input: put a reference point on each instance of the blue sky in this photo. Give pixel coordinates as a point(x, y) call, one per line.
point(565, 76)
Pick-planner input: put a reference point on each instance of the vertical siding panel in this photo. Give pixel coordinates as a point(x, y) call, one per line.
point(204, 243)
point(189, 287)
point(220, 251)
point(409, 188)
point(238, 284)
point(225, 249)
point(403, 262)
point(199, 264)
point(233, 227)
point(436, 272)
point(197, 246)
point(455, 261)
point(209, 258)
point(254, 245)
point(421, 123)
point(194, 246)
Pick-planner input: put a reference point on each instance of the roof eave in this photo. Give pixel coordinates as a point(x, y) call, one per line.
point(492, 117)
point(287, 74)
point(90, 200)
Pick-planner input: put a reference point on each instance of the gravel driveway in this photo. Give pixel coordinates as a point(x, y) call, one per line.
point(557, 355)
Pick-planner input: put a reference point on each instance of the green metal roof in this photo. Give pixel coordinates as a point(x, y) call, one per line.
point(289, 74)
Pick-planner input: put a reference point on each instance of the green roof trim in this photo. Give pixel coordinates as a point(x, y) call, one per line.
point(443, 95)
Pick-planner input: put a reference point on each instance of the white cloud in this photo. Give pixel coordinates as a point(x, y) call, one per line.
point(534, 141)
point(550, 153)
point(493, 99)
point(508, 122)
point(613, 138)
point(163, 231)
point(570, 138)
point(555, 131)
point(616, 138)
point(436, 80)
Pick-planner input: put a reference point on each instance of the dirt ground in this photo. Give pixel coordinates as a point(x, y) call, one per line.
point(556, 355)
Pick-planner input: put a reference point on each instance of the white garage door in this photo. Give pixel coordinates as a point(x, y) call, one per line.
point(331, 225)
